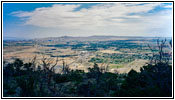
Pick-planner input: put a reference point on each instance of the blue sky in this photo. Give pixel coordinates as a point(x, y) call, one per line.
point(37, 20)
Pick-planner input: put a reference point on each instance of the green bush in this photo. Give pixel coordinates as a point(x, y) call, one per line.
point(19, 79)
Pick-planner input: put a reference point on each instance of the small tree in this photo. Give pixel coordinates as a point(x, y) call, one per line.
point(49, 72)
point(161, 56)
point(65, 67)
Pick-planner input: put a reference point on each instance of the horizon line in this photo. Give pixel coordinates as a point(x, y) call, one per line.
point(22, 38)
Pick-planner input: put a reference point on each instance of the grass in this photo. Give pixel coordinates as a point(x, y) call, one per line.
point(116, 65)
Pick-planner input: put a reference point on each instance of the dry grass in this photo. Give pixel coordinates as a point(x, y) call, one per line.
point(109, 51)
point(135, 65)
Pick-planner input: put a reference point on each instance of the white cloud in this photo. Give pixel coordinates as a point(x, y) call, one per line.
point(167, 6)
point(113, 18)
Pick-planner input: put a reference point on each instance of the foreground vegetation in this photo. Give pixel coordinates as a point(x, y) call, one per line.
point(23, 80)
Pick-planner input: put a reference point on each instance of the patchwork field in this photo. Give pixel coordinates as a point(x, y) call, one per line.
point(120, 54)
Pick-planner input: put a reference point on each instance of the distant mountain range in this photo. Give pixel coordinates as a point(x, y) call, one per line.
point(89, 38)
point(92, 38)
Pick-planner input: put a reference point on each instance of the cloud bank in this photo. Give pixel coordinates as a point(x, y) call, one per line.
point(126, 19)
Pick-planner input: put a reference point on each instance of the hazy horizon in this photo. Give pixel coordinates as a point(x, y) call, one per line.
point(41, 20)
point(16, 38)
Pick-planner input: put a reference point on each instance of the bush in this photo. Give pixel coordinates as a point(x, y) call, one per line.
point(153, 80)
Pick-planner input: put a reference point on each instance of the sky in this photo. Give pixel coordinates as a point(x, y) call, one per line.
point(38, 20)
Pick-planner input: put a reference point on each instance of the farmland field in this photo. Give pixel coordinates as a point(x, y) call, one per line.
point(121, 53)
